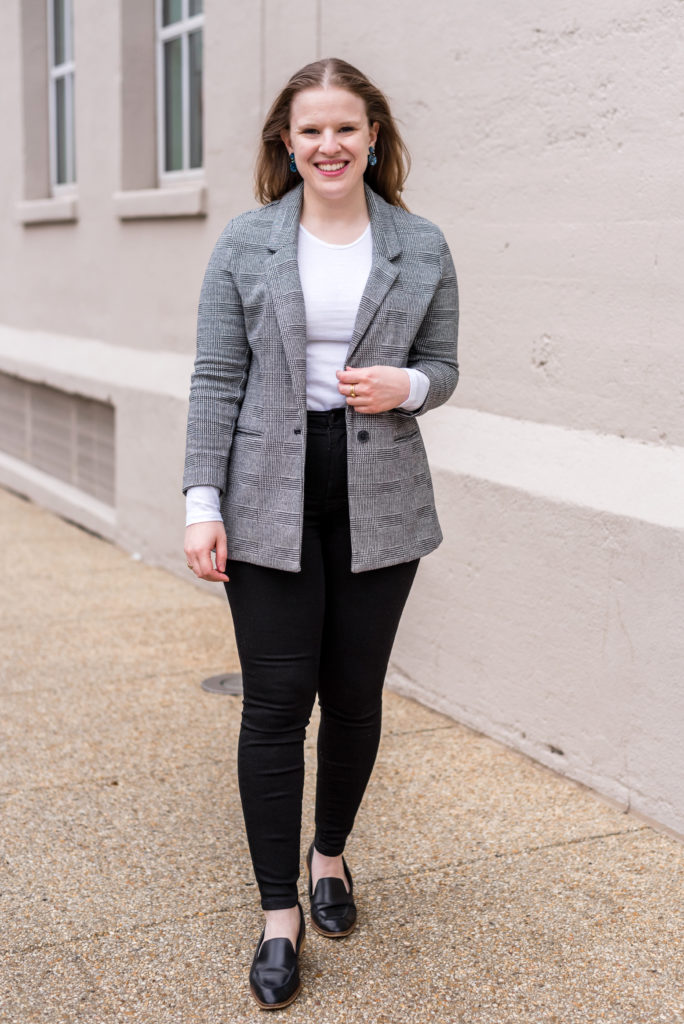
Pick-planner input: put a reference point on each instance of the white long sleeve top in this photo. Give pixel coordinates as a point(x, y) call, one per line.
point(333, 278)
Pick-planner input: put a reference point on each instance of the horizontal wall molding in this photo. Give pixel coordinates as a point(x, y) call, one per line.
point(91, 367)
point(610, 474)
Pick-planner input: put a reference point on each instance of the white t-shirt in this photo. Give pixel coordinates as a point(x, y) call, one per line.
point(333, 278)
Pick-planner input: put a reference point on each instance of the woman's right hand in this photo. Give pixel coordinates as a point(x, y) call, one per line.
point(200, 540)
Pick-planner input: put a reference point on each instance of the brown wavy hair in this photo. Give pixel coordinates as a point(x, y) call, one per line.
point(273, 177)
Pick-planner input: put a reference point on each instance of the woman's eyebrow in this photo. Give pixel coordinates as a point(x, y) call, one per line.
point(313, 123)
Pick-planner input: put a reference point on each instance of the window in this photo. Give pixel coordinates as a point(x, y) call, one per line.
point(61, 93)
point(47, 113)
point(179, 86)
point(162, 164)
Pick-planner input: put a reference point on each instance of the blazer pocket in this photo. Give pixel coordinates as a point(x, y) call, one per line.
point(412, 430)
point(248, 447)
point(248, 431)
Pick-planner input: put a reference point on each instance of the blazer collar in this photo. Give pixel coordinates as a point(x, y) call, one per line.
point(286, 222)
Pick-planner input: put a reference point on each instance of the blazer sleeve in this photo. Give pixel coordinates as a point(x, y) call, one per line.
point(217, 385)
point(435, 349)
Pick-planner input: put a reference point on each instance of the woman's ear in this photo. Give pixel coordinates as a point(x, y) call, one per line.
point(374, 129)
point(285, 136)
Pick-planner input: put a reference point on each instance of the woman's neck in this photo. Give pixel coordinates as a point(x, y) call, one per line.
point(336, 223)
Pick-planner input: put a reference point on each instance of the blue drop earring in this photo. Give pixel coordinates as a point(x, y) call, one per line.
point(293, 165)
point(372, 158)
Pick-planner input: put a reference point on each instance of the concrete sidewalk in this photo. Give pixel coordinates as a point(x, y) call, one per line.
point(489, 889)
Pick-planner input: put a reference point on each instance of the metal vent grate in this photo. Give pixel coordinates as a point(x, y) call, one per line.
point(65, 435)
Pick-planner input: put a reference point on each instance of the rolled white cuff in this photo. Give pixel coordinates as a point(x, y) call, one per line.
point(420, 385)
point(202, 504)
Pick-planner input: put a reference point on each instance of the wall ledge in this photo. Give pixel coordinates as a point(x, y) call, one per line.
point(47, 211)
point(189, 200)
point(91, 367)
point(620, 476)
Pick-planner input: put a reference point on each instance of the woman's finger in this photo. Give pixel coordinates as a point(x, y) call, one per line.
point(221, 553)
point(215, 577)
point(203, 564)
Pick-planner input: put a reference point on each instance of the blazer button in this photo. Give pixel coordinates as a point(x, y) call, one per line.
point(363, 436)
point(297, 430)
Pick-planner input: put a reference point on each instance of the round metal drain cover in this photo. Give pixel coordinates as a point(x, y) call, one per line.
point(229, 683)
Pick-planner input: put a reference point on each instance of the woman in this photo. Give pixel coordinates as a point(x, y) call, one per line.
point(327, 322)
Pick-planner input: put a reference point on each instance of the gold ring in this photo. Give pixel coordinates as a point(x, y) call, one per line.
point(352, 393)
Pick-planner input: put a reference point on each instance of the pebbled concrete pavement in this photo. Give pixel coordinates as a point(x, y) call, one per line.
point(490, 890)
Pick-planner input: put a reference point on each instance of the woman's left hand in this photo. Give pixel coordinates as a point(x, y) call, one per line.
point(373, 389)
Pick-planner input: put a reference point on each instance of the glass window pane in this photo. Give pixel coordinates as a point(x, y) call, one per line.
point(172, 10)
point(173, 105)
point(195, 51)
point(58, 31)
point(196, 7)
point(71, 141)
point(60, 131)
point(70, 31)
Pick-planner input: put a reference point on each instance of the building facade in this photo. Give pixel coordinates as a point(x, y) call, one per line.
point(548, 144)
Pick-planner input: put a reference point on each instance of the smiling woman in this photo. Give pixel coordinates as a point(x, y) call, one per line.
point(390, 162)
point(327, 319)
point(329, 139)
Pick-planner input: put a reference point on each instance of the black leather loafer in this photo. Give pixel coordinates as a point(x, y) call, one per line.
point(333, 911)
point(274, 976)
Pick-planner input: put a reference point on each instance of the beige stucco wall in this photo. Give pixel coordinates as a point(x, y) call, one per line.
point(548, 142)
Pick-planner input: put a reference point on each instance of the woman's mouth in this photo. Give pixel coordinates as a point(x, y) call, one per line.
point(332, 168)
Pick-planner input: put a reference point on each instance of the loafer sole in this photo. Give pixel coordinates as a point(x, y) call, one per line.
point(331, 935)
point(276, 1006)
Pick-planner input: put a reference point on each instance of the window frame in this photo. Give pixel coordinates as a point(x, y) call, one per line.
point(181, 28)
point(67, 71)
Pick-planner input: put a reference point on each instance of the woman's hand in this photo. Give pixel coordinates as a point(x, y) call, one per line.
point(374, 388)
point(200, 540)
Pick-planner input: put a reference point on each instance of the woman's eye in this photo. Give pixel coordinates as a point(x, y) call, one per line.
point(309, 131)
point(347, 128)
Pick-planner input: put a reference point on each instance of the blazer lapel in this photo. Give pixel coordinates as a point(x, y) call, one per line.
point(383, 272)
point(282, 276)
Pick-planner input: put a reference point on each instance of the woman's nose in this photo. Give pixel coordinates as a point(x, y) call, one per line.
point(329, 143)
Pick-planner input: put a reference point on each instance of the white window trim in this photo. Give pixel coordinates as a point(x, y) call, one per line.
point(67, 71)
point(185, 199)
point(63, 207)
point(181, 28)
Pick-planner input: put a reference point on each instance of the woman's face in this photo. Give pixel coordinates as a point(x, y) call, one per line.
point(329, 135)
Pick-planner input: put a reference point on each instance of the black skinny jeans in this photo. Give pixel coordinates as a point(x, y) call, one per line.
point(322, 630)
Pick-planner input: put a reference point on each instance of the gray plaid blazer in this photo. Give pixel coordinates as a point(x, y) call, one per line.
point(247, 417)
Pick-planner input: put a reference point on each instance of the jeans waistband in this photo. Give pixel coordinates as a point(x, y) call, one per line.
point(328, 418)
